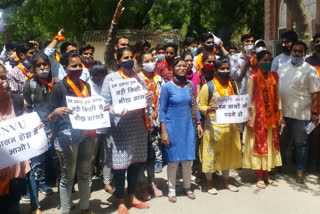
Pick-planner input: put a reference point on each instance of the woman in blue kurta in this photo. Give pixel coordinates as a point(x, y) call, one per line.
point(178, 116)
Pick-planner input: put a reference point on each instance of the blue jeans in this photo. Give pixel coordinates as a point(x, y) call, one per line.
point(295, 131)
point(75, 152)
point(32, 186)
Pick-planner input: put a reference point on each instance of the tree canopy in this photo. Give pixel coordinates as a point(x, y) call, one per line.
point(41, 19)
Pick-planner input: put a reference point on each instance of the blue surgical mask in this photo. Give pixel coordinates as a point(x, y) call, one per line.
point(296, 60)
point(194, 51)
point(160, 57)
point(27, 63)
point(128, 65)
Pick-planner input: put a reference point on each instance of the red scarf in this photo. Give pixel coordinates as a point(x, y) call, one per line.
point(148, 125)
point(83, 93)
point(260, 131)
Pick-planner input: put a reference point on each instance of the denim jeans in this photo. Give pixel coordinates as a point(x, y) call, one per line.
point(33, 186)
point(294, 131)
point(74, 152)
point(132, 177)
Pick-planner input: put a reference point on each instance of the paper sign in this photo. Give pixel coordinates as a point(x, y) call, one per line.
point(232, 109)
point(128, 94)
point(20, 139)
point(88, 113)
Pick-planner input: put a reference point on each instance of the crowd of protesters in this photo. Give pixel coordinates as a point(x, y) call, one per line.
point(177, 129)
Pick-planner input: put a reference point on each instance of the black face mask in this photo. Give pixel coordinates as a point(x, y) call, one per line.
point(286, 50)
point(224, 75)
point(208, 48)
point(317, 48)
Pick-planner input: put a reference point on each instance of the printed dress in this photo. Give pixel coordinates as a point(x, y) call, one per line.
point(127, 137)
point(220, 148)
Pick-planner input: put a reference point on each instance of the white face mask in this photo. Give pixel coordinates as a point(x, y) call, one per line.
point(160, 57)
point(43, 73)
point(259, 49)
point(149, 67)
point(247, 48)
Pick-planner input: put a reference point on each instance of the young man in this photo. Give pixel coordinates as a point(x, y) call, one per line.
point(260, 45)
point(113, 43)
point(190, 44)
point(160, 53)
point(19, 74)
point(299, 89)
point(164, 69)
point(232, 50)
point(314, 147)
point(241, 63)
point(57, 69)
point(208, 46)
point(87, 58)
point(288, 38)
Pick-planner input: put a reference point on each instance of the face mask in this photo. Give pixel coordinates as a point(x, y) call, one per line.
point(296, 60)
point(259, 49)
point(87, 60)
point(285, 50)
point(43, 73)
point(128, 65)
point(194, 51)
point(224, 75)
point(208, 67)
point(27, 63)
point(208, 48)
point(247, 48)
point(265, 66)
point(160, 57)
point(75, 73)
point(149, 67)
point(317, 48)
point(13, 62)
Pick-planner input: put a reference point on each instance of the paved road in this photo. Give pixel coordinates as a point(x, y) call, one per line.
point(288, 198)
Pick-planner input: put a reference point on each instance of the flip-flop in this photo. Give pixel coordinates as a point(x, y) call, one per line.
point(232, 188)
point(261, 184)
point(213, 191)
point(273, 183)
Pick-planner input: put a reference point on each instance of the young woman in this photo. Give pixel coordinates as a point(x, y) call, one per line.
point(194, 77)
point(220, 149)
point(179, 115)
point(126, 145)
point(261, 136)
point(208, 70)
point(74, 147)
point(154, 83)
point(36, 92)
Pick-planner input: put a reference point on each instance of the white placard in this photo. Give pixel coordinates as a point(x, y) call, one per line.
point(232, 109)
point(88, 113)
point(20, 139)
point(128, 94)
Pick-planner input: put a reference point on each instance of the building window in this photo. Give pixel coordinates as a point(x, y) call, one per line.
point(311, 7)
point(283, 16)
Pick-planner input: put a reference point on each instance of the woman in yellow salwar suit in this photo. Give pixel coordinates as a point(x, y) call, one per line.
point(261, 136)
point(220, 149)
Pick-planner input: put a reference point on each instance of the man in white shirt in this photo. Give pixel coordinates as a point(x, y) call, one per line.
point(298, 88)
point(288, 38)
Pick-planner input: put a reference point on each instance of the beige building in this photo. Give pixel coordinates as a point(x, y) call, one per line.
point(98, 38)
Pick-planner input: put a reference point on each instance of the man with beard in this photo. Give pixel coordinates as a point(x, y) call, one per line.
point(288, 38)
point(19, 74)
point(87, 58)
point(164, 69)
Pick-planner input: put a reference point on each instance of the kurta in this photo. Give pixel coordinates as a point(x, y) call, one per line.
point(220, 148)
point(175, 112)
point(251, 160)
point(127, 136)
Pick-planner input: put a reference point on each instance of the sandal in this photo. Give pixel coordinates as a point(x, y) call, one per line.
point(190, 194)
point(261, 184)
point(273, 183)
point(172, 199)
point(232, 188)
point(212, 191)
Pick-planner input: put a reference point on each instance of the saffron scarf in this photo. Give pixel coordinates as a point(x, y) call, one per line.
point(45, 82)
point(28, 76)
point(148, 125)
point(152, 87)
point(268, 91)
point(83, 93)
point(220, 88)
point(253, 64)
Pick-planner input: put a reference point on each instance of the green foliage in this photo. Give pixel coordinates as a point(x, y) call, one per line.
point(41, 19)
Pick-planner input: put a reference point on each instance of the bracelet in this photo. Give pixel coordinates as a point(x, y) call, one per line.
point(59, 38)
